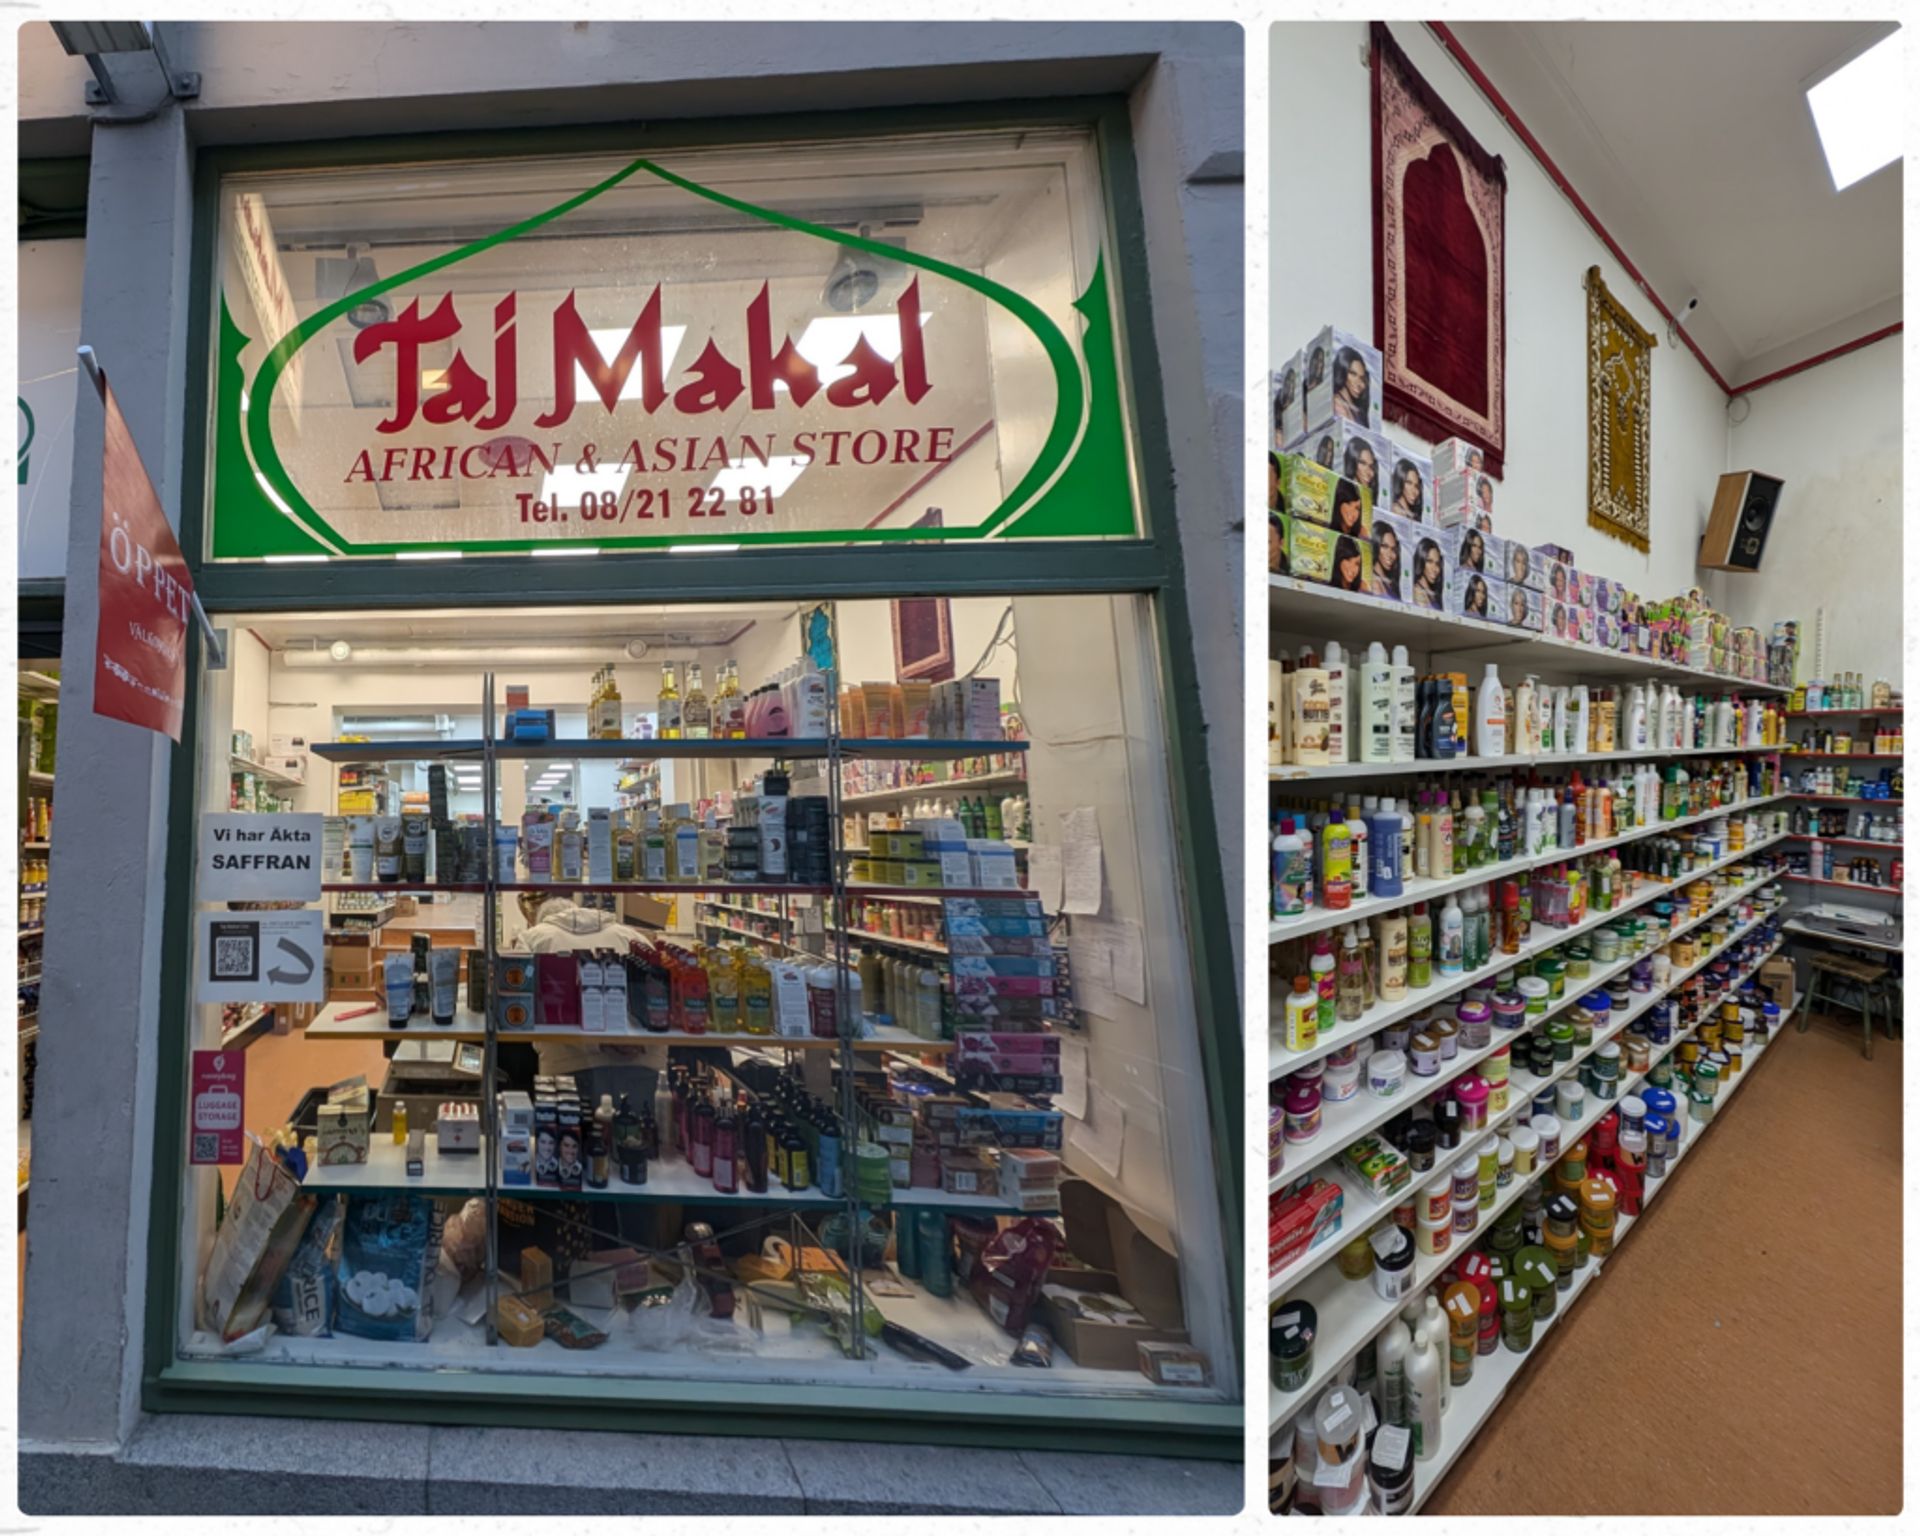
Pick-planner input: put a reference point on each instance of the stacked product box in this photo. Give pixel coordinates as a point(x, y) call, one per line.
point(1026, 1061)
point(1408, 488)
point(1289, 412)
point(1463, 499)
point(516, 1138)
point(1003, 973)
point(1341, 378)
point(1298, 1216)
point(1029, 1178)
point(1395, 538)
point(965, 709)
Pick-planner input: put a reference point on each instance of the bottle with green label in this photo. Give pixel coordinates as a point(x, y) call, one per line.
point(1419, 947)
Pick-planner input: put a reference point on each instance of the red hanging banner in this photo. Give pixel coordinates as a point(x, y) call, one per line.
point(146, 593)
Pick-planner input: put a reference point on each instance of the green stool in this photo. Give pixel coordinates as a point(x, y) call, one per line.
point(1829, 971)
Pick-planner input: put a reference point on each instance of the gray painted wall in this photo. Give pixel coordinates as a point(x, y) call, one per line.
point(272, 81)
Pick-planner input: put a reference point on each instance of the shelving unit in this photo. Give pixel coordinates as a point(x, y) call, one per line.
point(1420, 767)
point(1351, 1312)
point(1473, 1403)
point(1343, 1124)
point(1300, 607)
point(1282, 1061)
point(667, 1181)
point(271, 775)
point(1318, 919)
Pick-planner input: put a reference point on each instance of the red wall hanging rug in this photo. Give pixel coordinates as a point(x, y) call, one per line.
point(1439, 262)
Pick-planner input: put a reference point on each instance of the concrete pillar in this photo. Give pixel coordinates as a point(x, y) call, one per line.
point(92, 1134)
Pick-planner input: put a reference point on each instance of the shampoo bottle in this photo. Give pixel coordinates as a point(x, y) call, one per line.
point(1376, 706)
point(1312, 715)
point(1490, 716)
point(1419, 946)
point(1390, 940)
point(1340, 700)
point(1526, 737)
point(1292, 872)
point(1424, 1376)
point(1452, 944)
point(1405, 707)
point(1384, 845)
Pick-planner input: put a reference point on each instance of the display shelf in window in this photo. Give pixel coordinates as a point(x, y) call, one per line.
point(1008, 780)
point(265, 771)
point(791, 747)
point(469, 749)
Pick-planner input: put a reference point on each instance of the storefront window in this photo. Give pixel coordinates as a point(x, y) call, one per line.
point(907, 339)
point(640, 1053)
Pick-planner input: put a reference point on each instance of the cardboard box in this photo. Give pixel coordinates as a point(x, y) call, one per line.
point(1523, 607)
point(1468, 548)
point(1459, 499)
point(1113, 1253)
point(1289, 412)
point(1309, 550)
point(1306, 490)
point(1341, 379)
point(1470, 594)
point(1352, 451)
point(1457, 456)
point(1390, 563)
point(1776, 980)
point(1427, 568)
point(646, 911)
point(1408, 488)
point(1525, 568)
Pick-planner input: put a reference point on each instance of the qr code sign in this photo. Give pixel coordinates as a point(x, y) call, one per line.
point(236, 955)
point(206, 1148)
point(233, 958)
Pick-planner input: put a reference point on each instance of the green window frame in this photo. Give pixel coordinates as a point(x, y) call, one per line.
point(1151, 566)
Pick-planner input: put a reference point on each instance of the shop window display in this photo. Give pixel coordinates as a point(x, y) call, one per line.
point(693, 988)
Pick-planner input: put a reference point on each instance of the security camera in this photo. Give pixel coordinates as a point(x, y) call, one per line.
point(1687, 309)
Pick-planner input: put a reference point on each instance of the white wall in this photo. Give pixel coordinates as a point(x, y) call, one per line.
point(1833, 434)
point(1322, 222)
point(50, 273)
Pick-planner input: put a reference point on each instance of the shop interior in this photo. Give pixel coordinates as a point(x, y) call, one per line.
point(1586, 764)
point(38, 732)
point(1052, 780)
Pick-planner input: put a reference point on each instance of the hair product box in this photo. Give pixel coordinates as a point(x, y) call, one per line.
point(1523, 607)
point(1461, 499)
point(1457, 456)
point(1306, 490)
point(1352, 451)
point(1309, 550)
point(1352, 562)
point(1409, 487)
point(1556, 578)
point(1471, 550)
point(1289, 406)
point(1581, 588)
point(1469, 594)
point(1341, 379)
point(1393, 542)
point(1524, 567)
point(1277, 561)
point(1427, 570)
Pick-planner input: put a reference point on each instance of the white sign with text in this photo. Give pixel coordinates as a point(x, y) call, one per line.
point(264, 857)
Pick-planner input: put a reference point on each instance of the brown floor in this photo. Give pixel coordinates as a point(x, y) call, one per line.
point(1742, 1353)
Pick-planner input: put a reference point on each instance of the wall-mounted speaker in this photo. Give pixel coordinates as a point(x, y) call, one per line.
point(1743, 509)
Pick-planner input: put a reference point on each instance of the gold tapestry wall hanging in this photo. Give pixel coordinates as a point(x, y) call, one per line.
point(1619, 417)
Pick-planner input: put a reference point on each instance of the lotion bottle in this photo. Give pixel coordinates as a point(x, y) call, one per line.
point(1312, 714)
point(1452, 942)
point(1490, 716)
point(1340, 701)
point(1526, 740)
point(1424, 1375)
point(1390, 1359)
point(1406, 706)
point(1376, 706)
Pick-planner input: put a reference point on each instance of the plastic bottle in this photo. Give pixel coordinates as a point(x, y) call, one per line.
point(1475, 838)
point(1419, 946)
point(1579, 719)
point(1350, 986)
point(1336, 865)
point(1390, 941)
point(1362, 845)
point(1390, 1362)
point(1452, 943)
point(1405, 706)
point(1442, 837)
point(1445, 730)
point(1376, 706)
point(1526, 714)
point(1302, 1015)
point(1423, 838)
point(1490, 716)
point(1438, 1329)
point(1292, 871)
point(1424, 1378)
point(1340, 701)
point(1385, 851)
point(1312, 719)
point(1323, 968)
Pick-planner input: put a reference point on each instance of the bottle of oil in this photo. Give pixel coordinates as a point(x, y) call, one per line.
point(669, 704)
point(696, 715)
point(723, 991)
point(756, 993)
point(729, 710)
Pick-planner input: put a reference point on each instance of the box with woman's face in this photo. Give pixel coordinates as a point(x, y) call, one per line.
point(1354, 452)
point(1524, 608)
point(1306, 490)
point(1470, 549)
point(1289, 420)
point(1457, 456)
point(1394, 539)
point(1342, 380)
point(1309, 550)
point(1427, 571)
point(1410, 486)
point(1470, 594)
